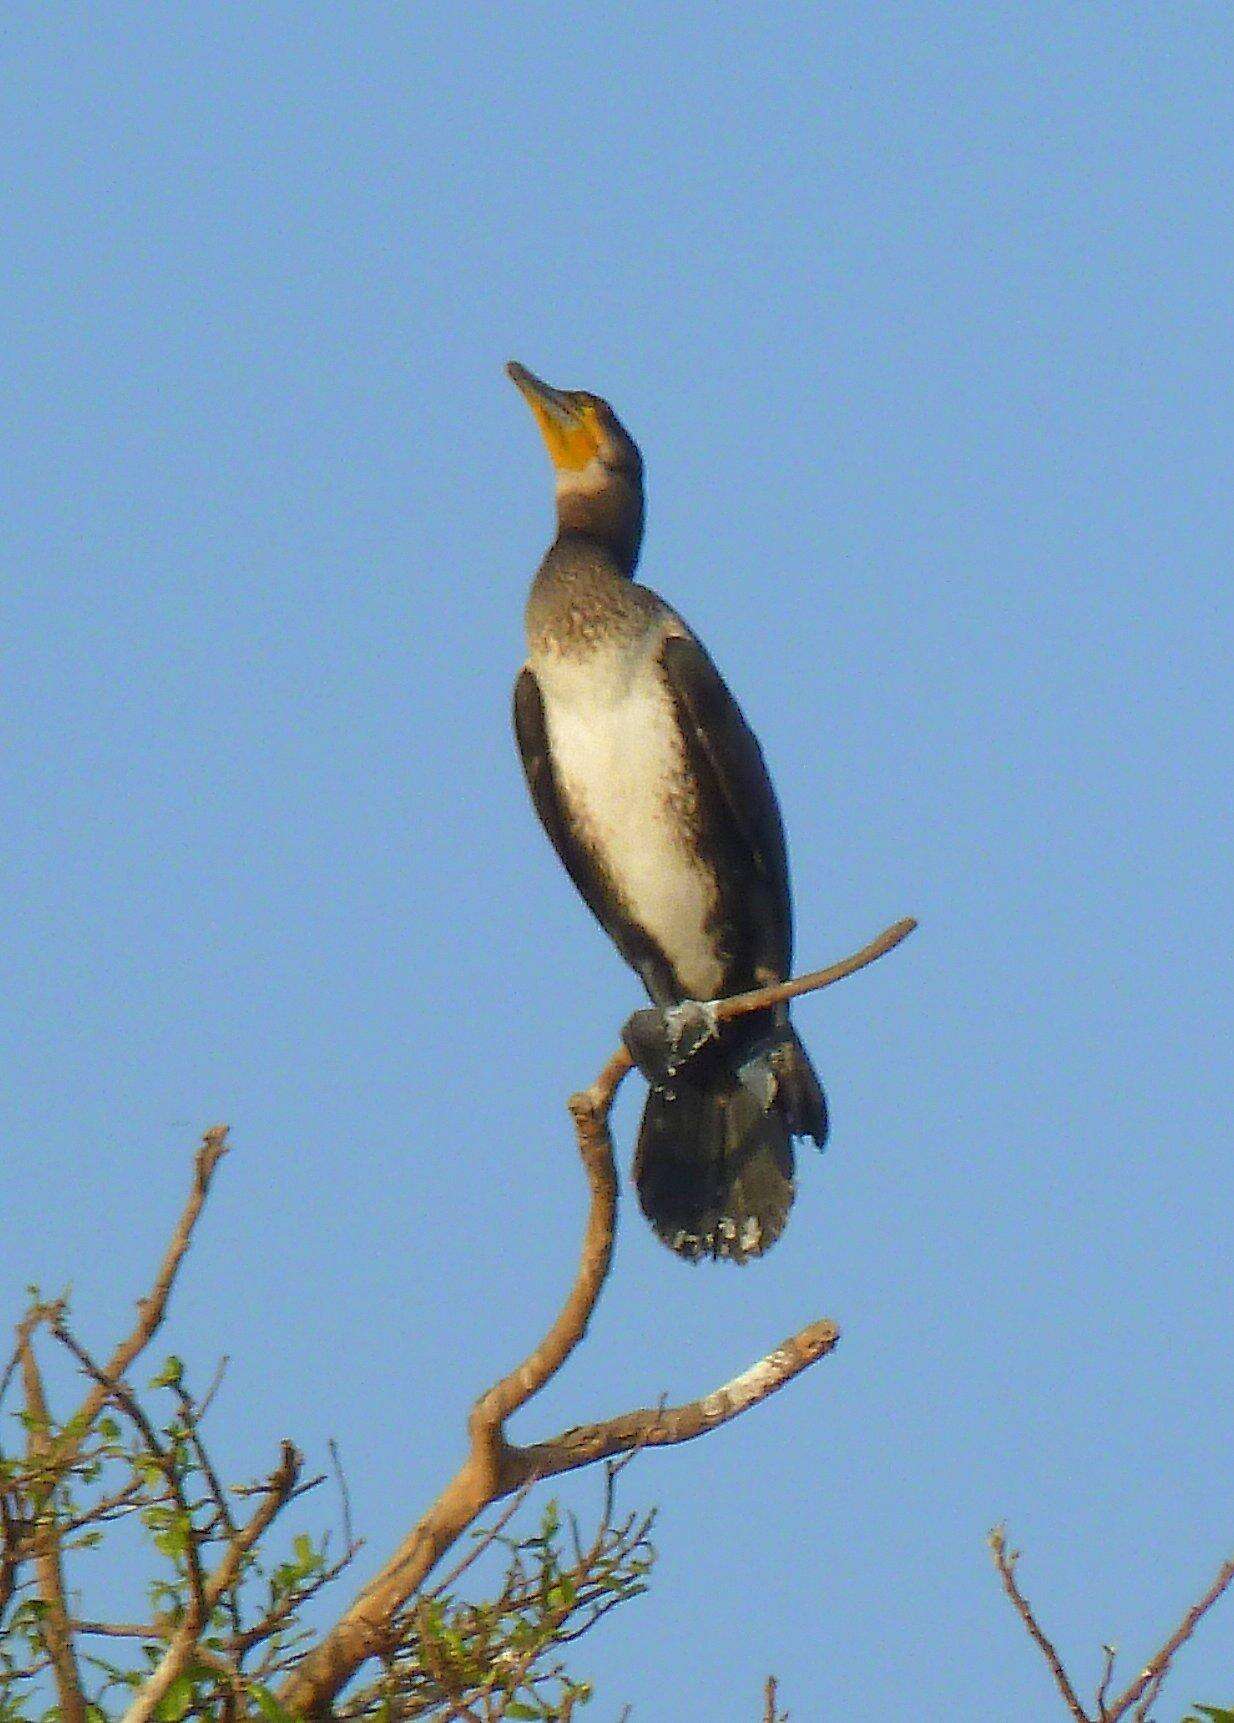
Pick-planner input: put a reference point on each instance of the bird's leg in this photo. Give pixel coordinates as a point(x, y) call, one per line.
point(662, 1039)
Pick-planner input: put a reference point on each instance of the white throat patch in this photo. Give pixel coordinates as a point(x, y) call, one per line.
point(595, 476)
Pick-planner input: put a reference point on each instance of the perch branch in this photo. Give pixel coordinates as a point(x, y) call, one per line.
point(495, 1467)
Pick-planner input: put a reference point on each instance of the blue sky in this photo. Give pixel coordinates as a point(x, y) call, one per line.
point(921, 315)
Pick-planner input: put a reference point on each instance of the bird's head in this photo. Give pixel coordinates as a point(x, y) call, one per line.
point(598, 468)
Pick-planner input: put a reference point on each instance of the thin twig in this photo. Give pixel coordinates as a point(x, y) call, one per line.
point(33, 1319)
point(1157, 1665)
point(1151, 1695)
point(281, 1613)
point(770, 1713)
point(118, 1629)
point(1005, 1560)
point(350, 1542)
point(813, 982)
point(484, 1539)
point(215, 1383)
point(1110, 1652)
point(151, 1309)
point(115, 1506)
point(191, 1417)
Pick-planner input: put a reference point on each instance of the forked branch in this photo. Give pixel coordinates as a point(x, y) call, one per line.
point(1147, 1684)
point(495, 1467)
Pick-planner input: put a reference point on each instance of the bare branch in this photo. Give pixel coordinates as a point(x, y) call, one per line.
point(1110, 1652)
point(1156, 1667)
point(152, 1308)
point(662, 1427)
point(10, 1558)
point(770, 1712)
point(515, 1389)
point(363, 1630)
point(56, 1631)
point(741, 1003)
point(1147, 1685)
point(1005, 1560)
point(25, 1328)
point(494, 1466)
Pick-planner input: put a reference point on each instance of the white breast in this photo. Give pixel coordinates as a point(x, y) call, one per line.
point(622, 772)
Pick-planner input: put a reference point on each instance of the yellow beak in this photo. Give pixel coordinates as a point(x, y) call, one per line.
point(567, 426)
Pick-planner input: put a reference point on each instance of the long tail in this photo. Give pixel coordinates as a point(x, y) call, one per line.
point(714, 1164)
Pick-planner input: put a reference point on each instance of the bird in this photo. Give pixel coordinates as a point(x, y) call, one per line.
point(654, 793)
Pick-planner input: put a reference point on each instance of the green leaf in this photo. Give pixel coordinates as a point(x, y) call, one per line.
point(1214, 1714)
point(171, 1375)
point(269, 1706)
point(174, 1542)
point(177, 1700)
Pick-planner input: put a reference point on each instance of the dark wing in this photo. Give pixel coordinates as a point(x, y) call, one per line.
point(724, 752)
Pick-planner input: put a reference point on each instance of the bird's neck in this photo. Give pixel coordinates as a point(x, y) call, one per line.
point(610, 516)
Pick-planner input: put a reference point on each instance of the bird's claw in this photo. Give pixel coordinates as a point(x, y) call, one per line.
point(661, 1040)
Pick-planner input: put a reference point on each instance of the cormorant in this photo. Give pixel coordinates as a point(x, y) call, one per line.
point(653, 790)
